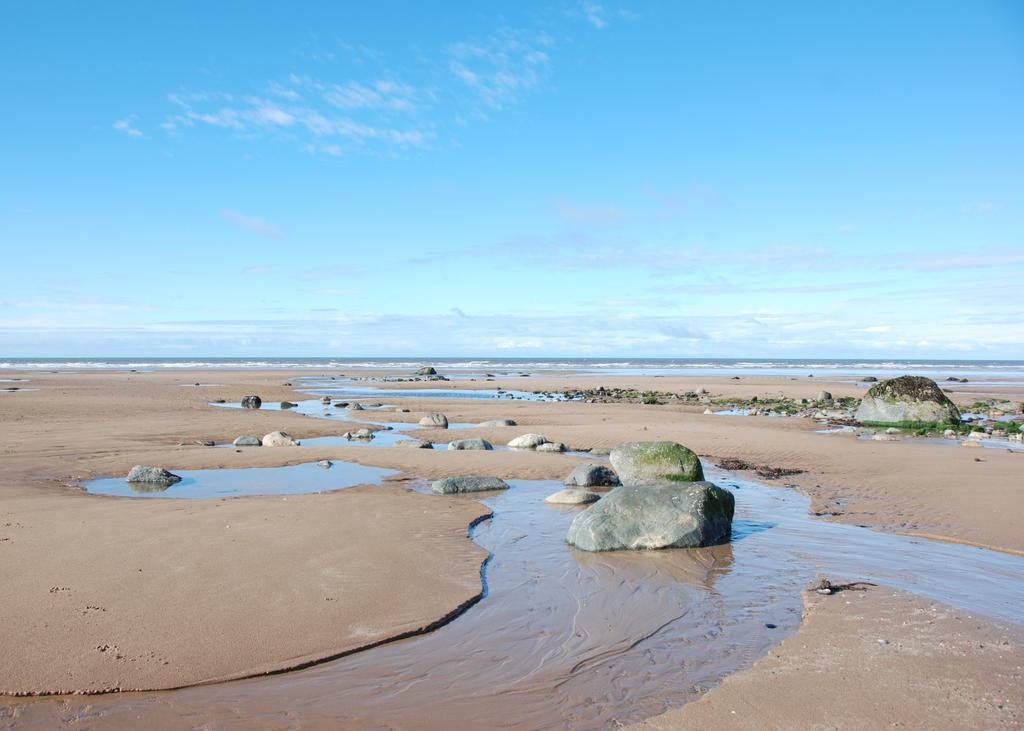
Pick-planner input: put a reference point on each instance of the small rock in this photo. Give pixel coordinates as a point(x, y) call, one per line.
point(426, 371)
point(551, 447)
point(152, 475)
point(438, 421)
point(592, 475)
point(325, 400)
point(288, 405)
point(364, 434)
point(450, 485)
point(414, 444)
point(325, 464)
point(573, 496)
point(470, 444)
point(251, 402)
point(527, 441)
point(355, 407)
point(248, 441)
point(279, 439)
point(824, 396)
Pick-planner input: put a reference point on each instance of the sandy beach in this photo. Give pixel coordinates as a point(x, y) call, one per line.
point(142, 594)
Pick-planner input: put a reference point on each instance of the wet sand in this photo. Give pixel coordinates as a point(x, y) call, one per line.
point(935, 668)
point(88, 425)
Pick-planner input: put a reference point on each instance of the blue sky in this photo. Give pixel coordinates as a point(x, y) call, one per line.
point(574, 178)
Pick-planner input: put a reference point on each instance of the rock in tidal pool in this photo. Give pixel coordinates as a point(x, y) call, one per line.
point(438, 421)
point(907, 398)
point(669, 515)
point(497, 422)
point(592, 475)
point(468, 444)
point(151, 476)
point(414, 444)
point(354, 407)
point(325, 400)
point(325, 464)
point(450, 485)
point(551, 447)
point(363, 434)
point(288, 405)
point(279, 439)
point(251, 402)
point(652, 463)
point(527, 441)
point(572, 496)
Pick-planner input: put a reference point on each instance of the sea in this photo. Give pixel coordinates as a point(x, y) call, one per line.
point(1000, 369)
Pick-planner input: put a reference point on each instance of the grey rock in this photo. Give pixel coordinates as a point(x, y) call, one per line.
point(652, 463)
point(279, 439)
point(551, 447)
point(248, 440)
point(438, 421)
point(251, 402)
point(363, 434)
point(497, 422)
point(527, 441)
point(449, 485)
point(573, 496)
point(824, 396)
point(354, 407)
point(426, 371)
point(469, 444)
point(869, 379)
point(325, 464)
point(671, 515)
point(288, 405)
point(592, 475)
point(907, 398)
point(414, 444)
point(325, 400)
point(600, 451)
point(152, 475)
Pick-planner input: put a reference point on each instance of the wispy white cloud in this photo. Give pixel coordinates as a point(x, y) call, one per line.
point(257, 270)
point(594, 14)
point(251, 223)
point(498, 70)
point(127, 126)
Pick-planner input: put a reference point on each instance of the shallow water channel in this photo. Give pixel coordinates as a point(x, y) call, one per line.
point(564, 638)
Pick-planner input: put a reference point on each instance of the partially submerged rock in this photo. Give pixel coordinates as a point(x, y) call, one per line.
point(573, 496)
point(325, 464)
point(470, 444)
point(668, 515)
point(551, 447)
point(151, 476)
point(907, 398)
point(248, 440)
point(592, 475)
point(325, 400)
point(251, 402)
point(527, 441)
point(450, 485)
point(363, 434)
point(497, 422)
point(354, 407)
point(438, 421)
point(288, 405)
point(651, 463)
point(414, 444)
point(279, 439)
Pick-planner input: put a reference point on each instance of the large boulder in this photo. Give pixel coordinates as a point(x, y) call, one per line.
point(528, 441)
point(592, 475)
point(151, 476)
point(651, 463)
point(449, 485)
point(251, 402)
point(497, 422)
point(248, 440)
point(907, 398)
point(572, 496)
point(426, 371)
point(669, 515)
point(438, 421)
point(468, 444)
point(279, 439)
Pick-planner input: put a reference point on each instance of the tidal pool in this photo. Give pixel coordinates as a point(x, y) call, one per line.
point(235, 482)
point(568, 639)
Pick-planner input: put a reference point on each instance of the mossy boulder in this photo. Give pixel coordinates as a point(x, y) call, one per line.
point(907, 399)
point(669, 515)
point(651, 463)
